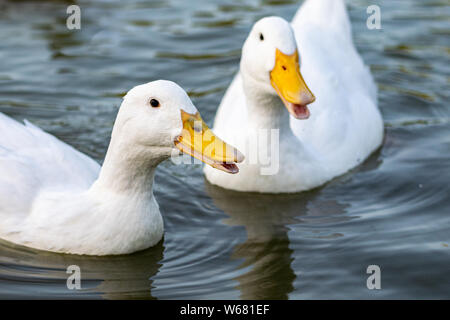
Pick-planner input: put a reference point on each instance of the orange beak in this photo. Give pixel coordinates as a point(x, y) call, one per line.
point(200, 142)
point(288, 82)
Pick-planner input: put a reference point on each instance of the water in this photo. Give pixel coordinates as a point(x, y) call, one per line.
point(392, 211)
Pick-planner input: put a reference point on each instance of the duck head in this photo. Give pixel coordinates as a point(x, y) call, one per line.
point(158, 118)
point(271, 60)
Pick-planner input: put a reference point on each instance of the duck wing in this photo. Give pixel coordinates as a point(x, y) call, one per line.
point(32, 161)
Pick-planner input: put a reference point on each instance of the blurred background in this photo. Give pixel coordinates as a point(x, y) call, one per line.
point(392, 211)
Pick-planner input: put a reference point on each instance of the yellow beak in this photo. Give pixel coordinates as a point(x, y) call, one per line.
point(200, 142)
point(288, 82)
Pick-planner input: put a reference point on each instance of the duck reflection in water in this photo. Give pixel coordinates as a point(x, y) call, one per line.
point(266, 252)
point(107, 277)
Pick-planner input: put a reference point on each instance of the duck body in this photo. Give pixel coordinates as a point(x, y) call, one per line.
point(51, 198)
point(345, 125)
point(80, 224)
point(54, 198)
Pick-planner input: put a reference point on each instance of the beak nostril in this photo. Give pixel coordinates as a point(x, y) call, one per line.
point(284, 68)
point(198, 128)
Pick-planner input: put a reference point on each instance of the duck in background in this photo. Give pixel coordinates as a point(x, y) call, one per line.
point(343, 126)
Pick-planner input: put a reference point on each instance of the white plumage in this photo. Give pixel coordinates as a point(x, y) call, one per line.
point(54, 198)
point(345, 125)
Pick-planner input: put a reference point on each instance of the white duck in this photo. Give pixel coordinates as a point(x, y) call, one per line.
point(54, 198)
point(344, 126)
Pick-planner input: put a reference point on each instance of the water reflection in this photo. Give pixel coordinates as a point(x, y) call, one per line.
point(266, 252)
point(40, 274)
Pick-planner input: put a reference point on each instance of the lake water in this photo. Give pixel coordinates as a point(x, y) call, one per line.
point(392, 211)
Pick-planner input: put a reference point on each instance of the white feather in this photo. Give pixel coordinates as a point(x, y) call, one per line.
point(54, 198)
point(345, 125)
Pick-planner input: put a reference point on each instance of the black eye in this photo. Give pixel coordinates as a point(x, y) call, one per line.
point(261, 37)
point(154, 103)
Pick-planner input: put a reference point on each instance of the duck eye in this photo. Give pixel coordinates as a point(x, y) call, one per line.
point(154, 103)
point(261, 37)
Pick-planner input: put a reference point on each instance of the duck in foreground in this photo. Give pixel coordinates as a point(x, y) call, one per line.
point(55, 198)
point(343, 126)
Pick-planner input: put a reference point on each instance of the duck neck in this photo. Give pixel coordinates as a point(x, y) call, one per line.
point(265, 110)
point(128, 170)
